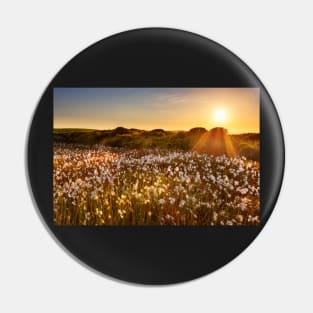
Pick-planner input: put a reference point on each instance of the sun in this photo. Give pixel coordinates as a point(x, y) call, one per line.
point(220, 116)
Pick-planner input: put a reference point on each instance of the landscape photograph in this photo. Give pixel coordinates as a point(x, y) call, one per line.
point(156, 156)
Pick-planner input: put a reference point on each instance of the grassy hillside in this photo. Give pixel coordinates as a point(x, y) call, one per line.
point(215, 141)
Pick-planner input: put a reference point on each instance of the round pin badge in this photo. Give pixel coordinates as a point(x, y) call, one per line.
point(155, 156)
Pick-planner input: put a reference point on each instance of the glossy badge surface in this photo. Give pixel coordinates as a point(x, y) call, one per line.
point(155, 156)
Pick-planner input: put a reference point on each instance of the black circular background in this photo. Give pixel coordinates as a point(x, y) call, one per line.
point(154, 57)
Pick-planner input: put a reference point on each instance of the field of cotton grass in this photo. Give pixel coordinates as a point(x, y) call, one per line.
point(100, 185)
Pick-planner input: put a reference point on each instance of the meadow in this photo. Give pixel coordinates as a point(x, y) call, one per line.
point(134, 177)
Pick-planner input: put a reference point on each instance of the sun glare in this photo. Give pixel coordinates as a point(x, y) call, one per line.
point(220, 116)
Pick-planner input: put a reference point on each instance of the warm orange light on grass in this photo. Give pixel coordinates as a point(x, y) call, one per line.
point(215, 142)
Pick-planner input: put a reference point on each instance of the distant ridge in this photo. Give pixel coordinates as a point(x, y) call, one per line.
point(216, 141)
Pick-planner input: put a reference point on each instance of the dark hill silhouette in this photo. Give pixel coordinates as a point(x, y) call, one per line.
point(197, 130)
point(156, 132)
point(121, 130)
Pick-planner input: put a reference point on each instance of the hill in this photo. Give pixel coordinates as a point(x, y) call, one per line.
point(216, 141)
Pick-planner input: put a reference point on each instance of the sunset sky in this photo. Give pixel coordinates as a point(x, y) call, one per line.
point(236, 109)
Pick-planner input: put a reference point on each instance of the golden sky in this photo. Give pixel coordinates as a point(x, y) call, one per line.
point(236, 109)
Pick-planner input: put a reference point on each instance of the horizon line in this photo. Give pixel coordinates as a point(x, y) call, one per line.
point(173, 130)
